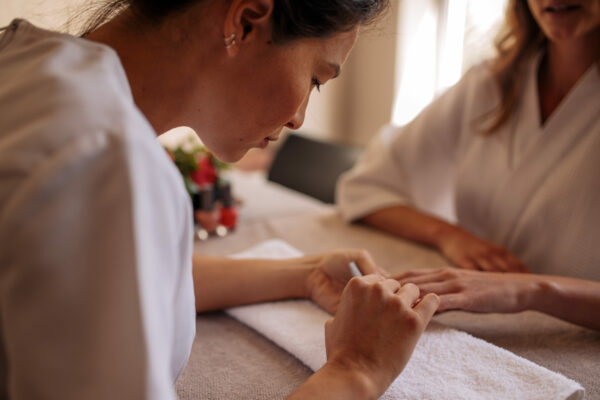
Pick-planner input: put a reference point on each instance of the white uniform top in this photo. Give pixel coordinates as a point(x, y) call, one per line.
point(96, 291)
point(532, 188)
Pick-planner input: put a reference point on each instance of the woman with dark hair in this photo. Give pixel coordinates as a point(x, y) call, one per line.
point(501, 172)
point(97, 281)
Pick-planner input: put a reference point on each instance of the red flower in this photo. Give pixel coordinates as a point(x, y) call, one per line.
point(205, 173)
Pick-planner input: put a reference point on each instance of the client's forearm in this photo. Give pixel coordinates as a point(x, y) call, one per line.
point(224, 282)
point(574, 300)
point(410, 223)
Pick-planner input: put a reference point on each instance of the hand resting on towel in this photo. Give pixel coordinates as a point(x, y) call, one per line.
point(376, 326)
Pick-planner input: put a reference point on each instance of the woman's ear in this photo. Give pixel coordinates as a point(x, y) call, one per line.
point(245, 21)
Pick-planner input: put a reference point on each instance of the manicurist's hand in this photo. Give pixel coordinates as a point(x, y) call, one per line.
point(377, 327)
point(370, 339)
point(468, 251)
point(324, 285)
point(225, 282)
point(477, 291)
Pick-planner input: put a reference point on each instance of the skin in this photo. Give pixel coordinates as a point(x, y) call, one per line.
point(462, 248)
point(239, 98)
point(573, 300)
point(573, 46)
point(233, 98)
point(320, 277)
point(376, 317)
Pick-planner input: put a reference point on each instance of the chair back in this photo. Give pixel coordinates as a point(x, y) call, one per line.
point(312, 166)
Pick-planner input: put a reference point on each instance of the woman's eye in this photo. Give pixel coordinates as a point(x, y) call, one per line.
point(316, 84)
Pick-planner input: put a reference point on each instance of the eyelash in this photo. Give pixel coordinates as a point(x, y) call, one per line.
point(316, 84)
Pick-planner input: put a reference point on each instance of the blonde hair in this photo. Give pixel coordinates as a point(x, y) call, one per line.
point(517, 42)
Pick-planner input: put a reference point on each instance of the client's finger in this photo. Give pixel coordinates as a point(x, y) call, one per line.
point(502, 264)
point(485, 264)
point(434, 276)
point(439, 287)
point(452, 301)
point(415, 272)
point(467, 263)
point(517, 265)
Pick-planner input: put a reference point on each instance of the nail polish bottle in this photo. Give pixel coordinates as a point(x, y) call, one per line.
point(228, 210)
point(207, 215)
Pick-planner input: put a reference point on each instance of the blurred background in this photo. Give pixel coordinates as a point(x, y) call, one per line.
point(400, 64)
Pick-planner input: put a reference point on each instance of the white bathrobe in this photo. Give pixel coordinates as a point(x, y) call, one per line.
point(533, 188)
point(96, 287)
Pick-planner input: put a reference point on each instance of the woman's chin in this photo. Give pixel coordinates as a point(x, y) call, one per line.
point(229, 156)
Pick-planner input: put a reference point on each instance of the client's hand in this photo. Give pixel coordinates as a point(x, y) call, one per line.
point(326, 282)
point(376, 328)
point(468, 251)
point(474, 290)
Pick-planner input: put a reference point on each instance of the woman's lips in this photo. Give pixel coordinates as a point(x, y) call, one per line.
point(266, 141)
point(562, 8)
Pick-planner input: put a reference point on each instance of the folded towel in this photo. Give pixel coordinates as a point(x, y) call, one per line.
point(446, 364)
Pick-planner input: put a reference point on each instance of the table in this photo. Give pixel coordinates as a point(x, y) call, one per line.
point(231, 361)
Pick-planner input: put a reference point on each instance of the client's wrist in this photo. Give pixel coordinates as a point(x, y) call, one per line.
point(540, 293)
point(441, 232)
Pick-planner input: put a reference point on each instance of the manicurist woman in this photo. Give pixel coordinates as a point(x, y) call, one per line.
point(98, 289)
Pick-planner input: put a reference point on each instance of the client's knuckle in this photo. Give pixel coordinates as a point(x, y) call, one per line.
point(459, 285)
point(449, 272)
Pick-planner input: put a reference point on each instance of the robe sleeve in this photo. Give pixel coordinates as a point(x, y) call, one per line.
point(412, 164)
point(94, 268)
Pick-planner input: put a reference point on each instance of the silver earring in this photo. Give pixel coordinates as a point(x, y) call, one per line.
point(229, 41)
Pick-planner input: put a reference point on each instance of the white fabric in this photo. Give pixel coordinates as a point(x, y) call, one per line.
point(96, 288)
point(446, 364)
point(532, 188)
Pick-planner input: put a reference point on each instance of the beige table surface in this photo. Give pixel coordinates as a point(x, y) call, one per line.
point(231, 361)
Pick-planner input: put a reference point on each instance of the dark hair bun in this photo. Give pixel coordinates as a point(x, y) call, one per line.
point(317, 18)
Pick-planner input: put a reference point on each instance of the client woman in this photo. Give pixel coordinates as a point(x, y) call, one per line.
point(501, 172)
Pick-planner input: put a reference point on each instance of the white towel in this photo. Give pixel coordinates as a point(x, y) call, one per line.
point(446, 364)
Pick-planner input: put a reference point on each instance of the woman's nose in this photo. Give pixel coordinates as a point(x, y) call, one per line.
point(298, 118)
